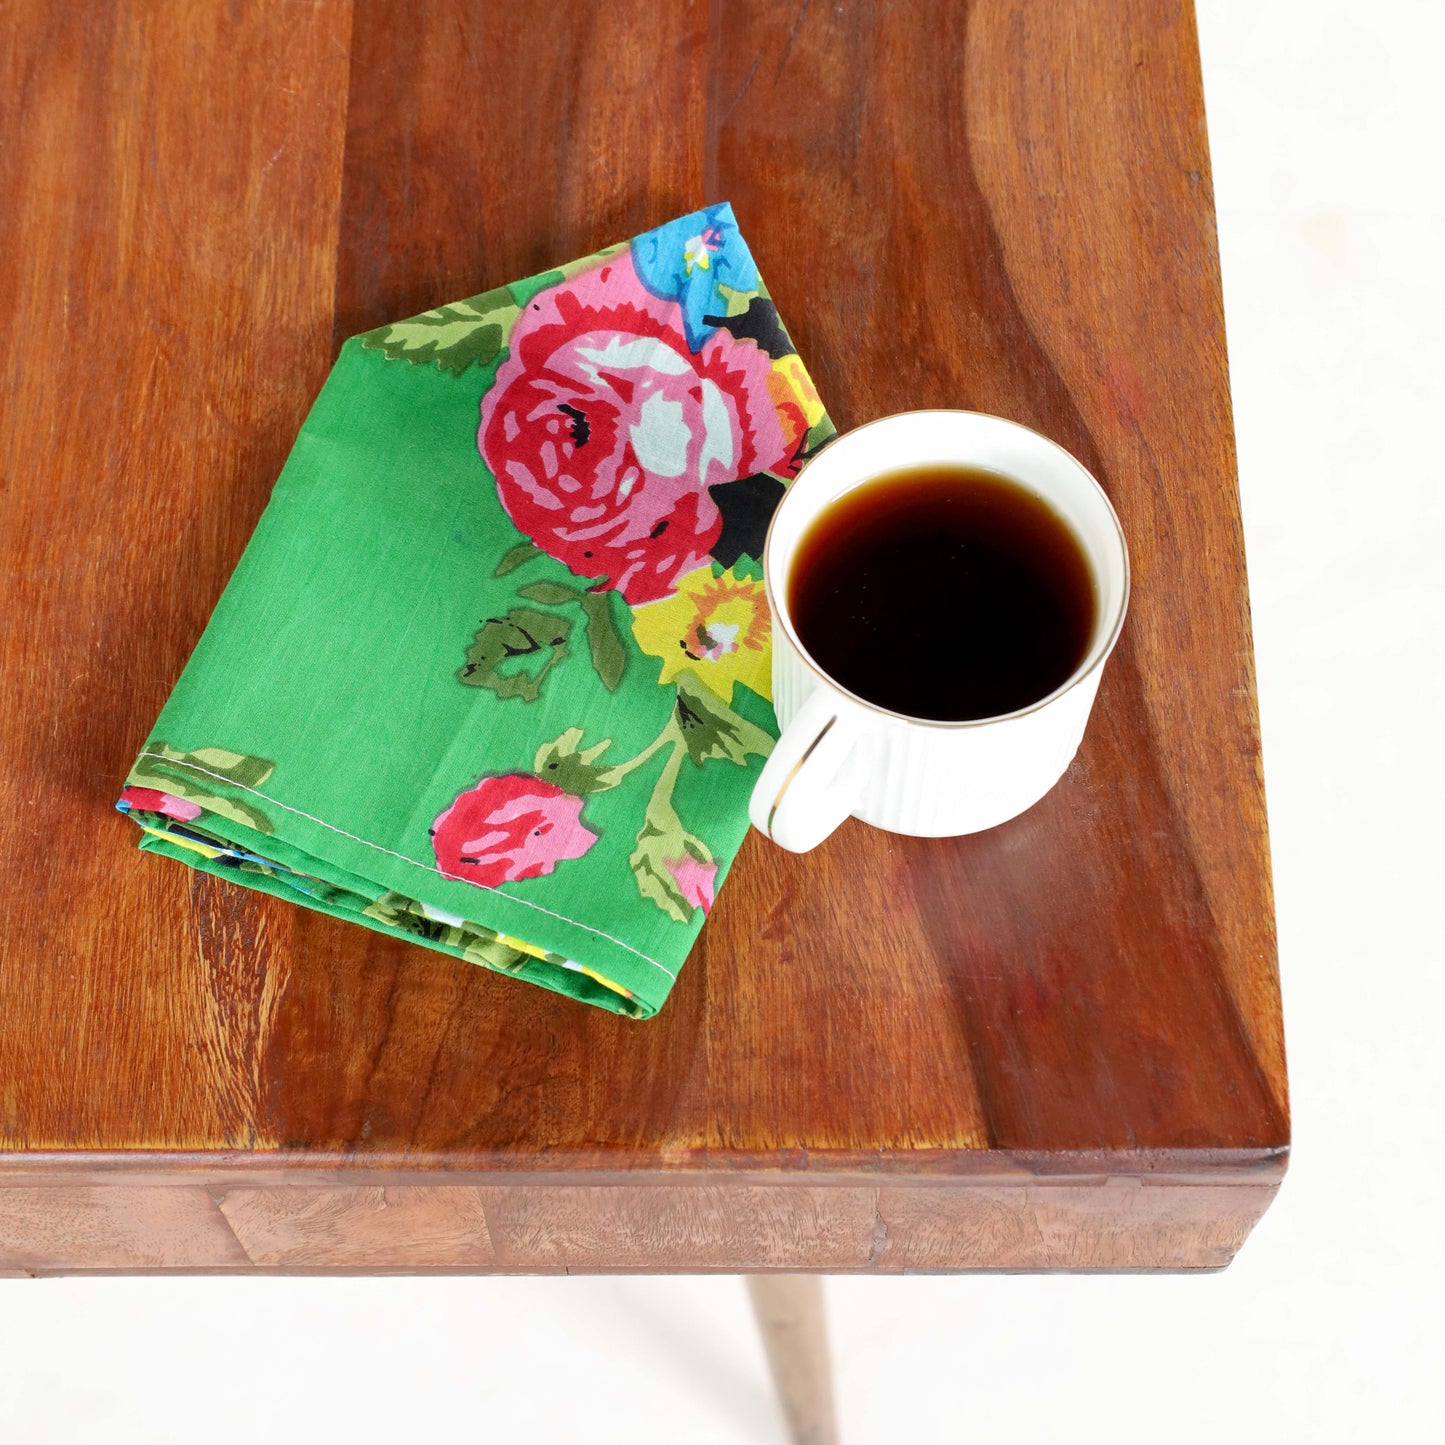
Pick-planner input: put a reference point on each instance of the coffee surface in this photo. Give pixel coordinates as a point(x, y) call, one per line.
point(948, 593)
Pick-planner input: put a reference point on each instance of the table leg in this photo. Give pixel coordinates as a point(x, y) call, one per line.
point(789, 1309)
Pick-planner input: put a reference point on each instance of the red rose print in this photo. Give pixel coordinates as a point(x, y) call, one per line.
point(604, 430)
point(152, 800)
point(508, 828)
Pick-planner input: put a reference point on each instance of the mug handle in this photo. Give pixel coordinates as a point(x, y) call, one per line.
point(813, 779)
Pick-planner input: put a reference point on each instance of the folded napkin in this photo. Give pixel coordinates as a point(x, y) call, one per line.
point(493, 672)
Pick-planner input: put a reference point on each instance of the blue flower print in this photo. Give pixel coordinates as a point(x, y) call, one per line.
point(689, 259)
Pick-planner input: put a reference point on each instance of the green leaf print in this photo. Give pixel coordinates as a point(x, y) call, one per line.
point(523, 291)
point(737, 301)
point(475, 943)
point(573, 768)
point(522, 553)
point(552, 594)
point(454, 336)
point(604, 643)
point(711, 729)
point(516, 643)
point(666, 852)
point(609, 655)
point(819, 435)
point(196, 777)
point(236, 768)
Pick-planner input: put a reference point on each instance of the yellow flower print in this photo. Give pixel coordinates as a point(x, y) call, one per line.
point(790, 382)
point(717, 626)
point(598, 978)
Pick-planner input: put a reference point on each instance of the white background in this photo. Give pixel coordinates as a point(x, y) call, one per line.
point(1327, 141)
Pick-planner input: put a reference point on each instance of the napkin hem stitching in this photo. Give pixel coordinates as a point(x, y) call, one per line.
point(366, 843)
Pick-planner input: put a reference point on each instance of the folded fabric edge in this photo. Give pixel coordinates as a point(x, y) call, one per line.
point(220, 791)
point(200, 840)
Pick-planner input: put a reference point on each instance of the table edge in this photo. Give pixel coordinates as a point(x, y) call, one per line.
point(840, 1168)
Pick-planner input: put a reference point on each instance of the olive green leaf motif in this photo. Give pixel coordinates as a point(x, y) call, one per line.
point(573, 768)
point(604, 644)
point(605, 649)
point(819, 435)
point(663, 843)
point(475, 943)
point(197, 775)
point(504, 652)
point(522, 552)
point(711, 729)
point(609, 656)
point(454, 337)
point(736, 302)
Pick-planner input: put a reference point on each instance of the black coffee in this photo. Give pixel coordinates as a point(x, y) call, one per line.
point(943, 592)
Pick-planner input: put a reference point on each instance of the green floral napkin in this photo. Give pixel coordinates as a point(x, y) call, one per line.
point(493, 673)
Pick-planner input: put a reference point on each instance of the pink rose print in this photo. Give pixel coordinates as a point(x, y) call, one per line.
point(604, 430)
point(695, 881)
point(508, 828)
point(151, 800)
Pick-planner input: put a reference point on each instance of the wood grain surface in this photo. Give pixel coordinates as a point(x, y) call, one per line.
point(1053, 1045)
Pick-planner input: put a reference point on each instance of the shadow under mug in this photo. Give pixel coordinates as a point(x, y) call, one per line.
point(840, 755)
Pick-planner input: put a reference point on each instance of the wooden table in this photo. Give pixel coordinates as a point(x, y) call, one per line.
point(1052, 1046)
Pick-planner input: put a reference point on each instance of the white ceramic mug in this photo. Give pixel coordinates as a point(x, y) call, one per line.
point(840, 755)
